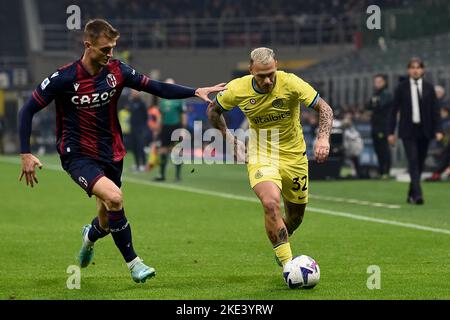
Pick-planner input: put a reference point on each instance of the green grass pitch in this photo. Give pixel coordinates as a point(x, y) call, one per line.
point(205, 236)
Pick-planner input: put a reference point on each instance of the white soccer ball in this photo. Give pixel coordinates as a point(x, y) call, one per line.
point(301, 272)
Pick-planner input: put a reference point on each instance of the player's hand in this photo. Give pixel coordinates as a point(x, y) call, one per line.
point(321, 150)
point(239, 151)
point(392, 139)
point(203, 93)
point(439, 136)
point(29, 162)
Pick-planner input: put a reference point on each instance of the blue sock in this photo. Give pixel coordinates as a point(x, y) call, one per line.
point(121, 233)
point(96, 232)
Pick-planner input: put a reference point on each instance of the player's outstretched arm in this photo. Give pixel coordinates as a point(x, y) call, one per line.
point(322, 145)
point(175, 91)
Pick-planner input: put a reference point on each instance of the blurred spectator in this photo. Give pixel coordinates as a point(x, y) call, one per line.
point(173, 117)
point(124, 120)
point(138, 129)
point(1, 135)
point(44, 133)
point(380, 107)
point(444, 159)
point(440, 95)
point(154, 124)
point(154, 121)
point(353, 144)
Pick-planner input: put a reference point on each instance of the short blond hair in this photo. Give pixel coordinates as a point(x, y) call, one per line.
point(262, 55)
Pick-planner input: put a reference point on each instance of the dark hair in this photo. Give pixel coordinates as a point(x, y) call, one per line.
point(95, 28)
point(381, 75)
point(416, 60)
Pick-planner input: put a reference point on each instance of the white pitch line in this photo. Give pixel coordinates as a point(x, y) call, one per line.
point(254, 200)
point(312, 196)
point(318, 210)
point(377, 220)
point(356, 201)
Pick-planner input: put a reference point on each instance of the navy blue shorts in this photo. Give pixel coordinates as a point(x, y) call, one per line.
point(86, 171)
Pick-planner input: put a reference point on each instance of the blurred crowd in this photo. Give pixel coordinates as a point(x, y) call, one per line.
point(185, 9)
point(356, 136)
point(361, 130)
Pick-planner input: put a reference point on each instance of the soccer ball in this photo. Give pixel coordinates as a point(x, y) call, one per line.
point(301, 272)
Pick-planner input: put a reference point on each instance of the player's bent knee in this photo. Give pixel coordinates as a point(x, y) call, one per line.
point(271, 205)
point(114, 200)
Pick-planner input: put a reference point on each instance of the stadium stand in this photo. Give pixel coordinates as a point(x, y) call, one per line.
point(13, 43)
point(325, 42)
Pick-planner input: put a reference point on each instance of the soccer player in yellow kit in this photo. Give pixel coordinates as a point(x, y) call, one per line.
point(271, 101)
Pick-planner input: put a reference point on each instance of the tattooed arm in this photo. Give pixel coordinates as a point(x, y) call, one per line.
point(322, 145)
point(218, 121)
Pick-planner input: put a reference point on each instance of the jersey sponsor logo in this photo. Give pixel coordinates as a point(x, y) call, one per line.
point(45, 83)
point(270, 117)
point(93, 100)
point(76, 86)
point(111, 80)
point(277, 103)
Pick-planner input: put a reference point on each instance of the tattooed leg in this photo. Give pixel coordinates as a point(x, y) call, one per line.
point(294, 215)
point(269, 194)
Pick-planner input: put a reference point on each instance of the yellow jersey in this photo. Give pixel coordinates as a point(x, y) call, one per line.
point(278, 110)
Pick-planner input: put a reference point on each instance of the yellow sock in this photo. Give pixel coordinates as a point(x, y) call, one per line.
point(283, 252)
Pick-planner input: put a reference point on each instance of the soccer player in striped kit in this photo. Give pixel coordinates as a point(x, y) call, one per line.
point(89, 137)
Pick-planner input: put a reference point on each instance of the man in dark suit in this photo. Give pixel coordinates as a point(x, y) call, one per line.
point(419, 122)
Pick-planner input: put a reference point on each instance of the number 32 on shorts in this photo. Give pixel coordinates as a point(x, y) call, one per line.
point(298, 182)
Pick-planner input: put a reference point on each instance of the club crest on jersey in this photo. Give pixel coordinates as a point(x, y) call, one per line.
point(45, 83)
point(111, 80)
point(258, 174)
point(83, 182)
point(277, 103)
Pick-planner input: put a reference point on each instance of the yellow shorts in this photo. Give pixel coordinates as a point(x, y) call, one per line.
point(292, 179)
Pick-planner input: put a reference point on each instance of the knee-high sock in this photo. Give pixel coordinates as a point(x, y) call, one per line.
point(96, 232)
point(121, 233)
point(283, 252)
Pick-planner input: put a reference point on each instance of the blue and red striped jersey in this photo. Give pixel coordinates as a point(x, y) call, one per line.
point(86, 108)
